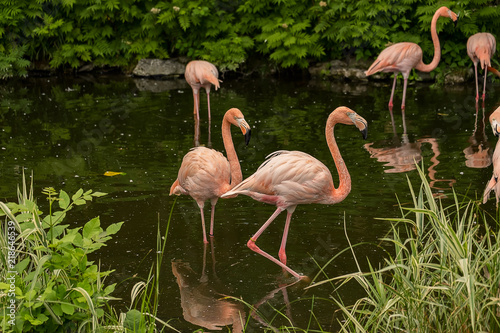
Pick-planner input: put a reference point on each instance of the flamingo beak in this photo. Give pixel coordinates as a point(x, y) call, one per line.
point(365, 133)
point(245, 129)
point(362, 125)
point(247, 136)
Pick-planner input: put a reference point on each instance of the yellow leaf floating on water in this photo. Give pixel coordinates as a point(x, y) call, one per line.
point(113, 173)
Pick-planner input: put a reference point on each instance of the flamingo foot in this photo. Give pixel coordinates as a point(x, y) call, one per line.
point(252, 246)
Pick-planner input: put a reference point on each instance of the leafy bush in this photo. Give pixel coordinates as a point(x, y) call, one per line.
point(72, 33)
point(56, 286)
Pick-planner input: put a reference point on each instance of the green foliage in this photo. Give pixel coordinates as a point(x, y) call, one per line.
point(72, 33)
point(56, 287)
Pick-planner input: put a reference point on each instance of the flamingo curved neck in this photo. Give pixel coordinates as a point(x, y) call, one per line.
point(340, 193)
point(234, 163)
point(437, 48)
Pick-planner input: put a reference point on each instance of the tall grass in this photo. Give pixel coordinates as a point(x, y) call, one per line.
point(443, 274)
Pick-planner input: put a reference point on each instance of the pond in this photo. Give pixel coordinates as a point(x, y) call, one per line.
point(68, 131)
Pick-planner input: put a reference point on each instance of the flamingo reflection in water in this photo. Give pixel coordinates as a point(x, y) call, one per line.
point(478, 153)
point(493, 184)
point(201, 303)
point(401, 155)
point(257, 311)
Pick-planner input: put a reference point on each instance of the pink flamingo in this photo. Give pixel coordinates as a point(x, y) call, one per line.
point(480, 48)
point(205, 174)
point(493, 184)
point(289, 178)
point(201, 74)
point(402, 57)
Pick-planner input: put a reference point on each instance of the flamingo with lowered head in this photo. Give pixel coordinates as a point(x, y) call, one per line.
point(402, 57)
point(289, 178)
point(480, 48)
point(205, 174)
point(201, 74)
point(494, 184)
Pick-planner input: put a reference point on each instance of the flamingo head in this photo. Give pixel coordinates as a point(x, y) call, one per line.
point(446, 12)
point(359, 122)
point(346, 116)
point(235, 117)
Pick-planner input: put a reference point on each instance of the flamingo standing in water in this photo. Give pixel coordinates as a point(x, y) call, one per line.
point(289, 178)
point(201, 74)
point(494, 184)
point(205, 174)
point(402, 57)
point(480, 48)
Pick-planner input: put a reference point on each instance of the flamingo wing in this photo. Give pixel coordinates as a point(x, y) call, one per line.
point(204, 174)
point(288, 178)
point(480, 48)
point(399, 57)
point(201, 73)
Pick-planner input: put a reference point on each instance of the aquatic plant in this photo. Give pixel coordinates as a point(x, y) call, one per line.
point(47, 283)
point(443, 274)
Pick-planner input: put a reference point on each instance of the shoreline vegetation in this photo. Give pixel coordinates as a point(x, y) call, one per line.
point(250, 37)
point(443, 273)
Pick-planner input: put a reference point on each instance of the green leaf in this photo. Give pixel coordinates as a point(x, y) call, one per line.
point(134, 320)
point(113, 228)
point(80, 202)
point(67, 308)
point(64, 200)
point(92, 228)
point(77, 195)
point(21, 266)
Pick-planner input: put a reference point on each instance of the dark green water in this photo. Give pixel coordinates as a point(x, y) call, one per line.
point(69, 131)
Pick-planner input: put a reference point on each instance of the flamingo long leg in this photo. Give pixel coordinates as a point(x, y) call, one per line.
point(212, 215)
point(393, 88)
point(403, 105)
point(477, 87)
point(282, 252)
point(203, 225)
point(208, 101)
point(252, 246)
point(196, 97)
point(484, 86)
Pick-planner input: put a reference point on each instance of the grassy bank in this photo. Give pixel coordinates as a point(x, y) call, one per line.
point(443, 274)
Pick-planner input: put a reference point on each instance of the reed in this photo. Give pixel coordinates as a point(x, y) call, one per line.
point(443, 274)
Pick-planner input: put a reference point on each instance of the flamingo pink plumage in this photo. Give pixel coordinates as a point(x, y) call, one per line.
point(205, 174)
point(402, 57)
point(201, 74)
point(494, 184)
point(480, 48)
point(289, 178)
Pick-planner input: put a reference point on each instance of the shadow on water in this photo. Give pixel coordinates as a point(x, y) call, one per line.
point(70, 131)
